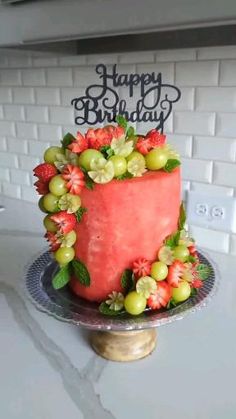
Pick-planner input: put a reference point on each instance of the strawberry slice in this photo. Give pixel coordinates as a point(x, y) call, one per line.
point(41, 187)
point(64, 221)
point(143, 145)
point(160, 297)
point(141, 267)
point(175, 273)
point(74, 177)
point(45, 171)
point(98, 138)
point(53, 240)
point(79, 144)
point(197, 283)
point(156, 139)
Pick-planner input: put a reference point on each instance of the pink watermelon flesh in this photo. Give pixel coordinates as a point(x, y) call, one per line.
point(125, 220)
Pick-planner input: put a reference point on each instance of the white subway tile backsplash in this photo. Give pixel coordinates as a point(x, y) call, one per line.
point(23, 95)
point(176, 55)
point(18, 61)
point(8, 160)
point(186, 102)
point(4, 174)
point(59, 77)
point(3, 144)
point(1, 112)
point(28, 194)
point(28, 162)
point(210, 239)
point(228, 73)
point(213, 148)
point(204, 73)
point(224, 174)
point(45, 61)
point(185, 187)
point(14, 112)
point(73, 60)
point(69, 93)
point(201, 123)
point(32, 77)
point(84, 76)
point(49, 132)
point(211, 189)
point(216, 99)
point(26, 130)
point(100, 58)
point(132, 57)
point(233, 244)
point(37, 148)
point(15, 145)
point(19, 177)
point(3, 61)
point(11, 190)
point(5, 95)
point(10, 78)
point(36, 113)
point(167, 70)
point(226, 125)
point(61, 115)
point(216, 52)
point(182, 143)
point(198, 170)
point(47, 96)
point(7, 128)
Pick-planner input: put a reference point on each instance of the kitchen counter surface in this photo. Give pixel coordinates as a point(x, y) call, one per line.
point(49, 371)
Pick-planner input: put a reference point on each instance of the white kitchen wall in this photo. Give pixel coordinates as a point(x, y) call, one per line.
point(35, 112)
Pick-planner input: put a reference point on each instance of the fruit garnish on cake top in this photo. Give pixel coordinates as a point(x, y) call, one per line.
point(114, 153)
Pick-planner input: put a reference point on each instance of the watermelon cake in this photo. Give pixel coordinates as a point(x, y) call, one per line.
point(115, 222)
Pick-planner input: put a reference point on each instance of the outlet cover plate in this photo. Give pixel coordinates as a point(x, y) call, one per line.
point(217, 212)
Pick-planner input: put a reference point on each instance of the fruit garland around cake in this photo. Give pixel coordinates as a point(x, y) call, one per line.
point(98, 157)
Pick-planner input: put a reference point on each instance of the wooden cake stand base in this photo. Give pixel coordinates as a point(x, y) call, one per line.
point(124, 346)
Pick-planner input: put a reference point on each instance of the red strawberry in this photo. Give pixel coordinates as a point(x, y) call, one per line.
point(41, 187)
point(197, 283)
point(115, 132)
point(53, 240)
point(64, 221)
point(155, 138)
point(161, 297)
point(80, 144)
point(74, 177)
point(141, 267)
point(175, 273)
point(98, 138)
point(143, 145)
point(45, 171)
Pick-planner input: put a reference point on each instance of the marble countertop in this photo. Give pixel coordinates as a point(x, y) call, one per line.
point(49, 371)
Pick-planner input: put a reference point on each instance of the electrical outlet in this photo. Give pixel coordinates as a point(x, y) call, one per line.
point(211, 211)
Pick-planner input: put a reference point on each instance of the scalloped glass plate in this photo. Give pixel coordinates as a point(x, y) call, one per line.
point(64, 305)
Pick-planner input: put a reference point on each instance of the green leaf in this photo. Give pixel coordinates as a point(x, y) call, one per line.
point(107, 151)
point(127, 280)
point(121, 121)
point(61, 278)
point(191, 259)
point(173, 240)
point(67, 139)
point(171, 165)
point(203, 271)
point(171, 304)
point(182, 216)
point(130, 132)
point(193, 292)
point(89, 183)
point(105, 309)
point(79, 214)
point(126, 175)
point(81, 272)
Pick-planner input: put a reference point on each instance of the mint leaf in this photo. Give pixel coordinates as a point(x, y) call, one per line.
point(191, 259)
point(61, 278)
point(81, 272)
point(67, 139)
point(193, 292)
point(79, 214)
point(130, 132)
point(171, 304)
point(126, 175)
point(89, 183)
point(105, 309)
point(127, 280)
point(171, 165)
point(203, 271)
point(121, 121)
point(182, 217)
point(173, 240)
point(107, 151)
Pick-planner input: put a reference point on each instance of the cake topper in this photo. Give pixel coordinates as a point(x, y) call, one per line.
point(101, 102)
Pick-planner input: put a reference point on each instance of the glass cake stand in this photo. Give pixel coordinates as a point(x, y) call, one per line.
point(119, 338)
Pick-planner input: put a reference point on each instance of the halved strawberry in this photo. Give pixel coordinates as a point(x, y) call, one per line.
point(175, 273)
point(98, 138)
point(160, 297)
point(156, 139)
point(45, 171)
point(79, 144)
point(115, 132)
point(41, 187)
point(143, 145)
point(64, 221)
point(74, 177)
point(53, 240)
point(141, 267)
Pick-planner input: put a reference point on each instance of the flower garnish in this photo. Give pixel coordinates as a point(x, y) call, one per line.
point(115, 301)
point(136, 166)
point(74, 177)
point(143, 145)
point(146, 286)
point(53, 240)
point(166, 255)
point(185, 239)
point(102, 170)
point(122, 147)
point(155, 138)
point(98, 138)
point(172, 153)
point(115, 132)
point(63, 159)
point(141, 267)
point(69, 202)
point(41, 187)
point(79, 144)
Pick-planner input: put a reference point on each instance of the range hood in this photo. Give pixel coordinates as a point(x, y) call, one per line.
point(87, 26)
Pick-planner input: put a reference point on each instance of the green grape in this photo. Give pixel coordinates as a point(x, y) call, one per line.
point(86, 157)
point(64, 255)
point(49, 224)
point(40, 205)
point(50, 202)
point(181, 253)
point(120, 165)
point(69, 202)
point(156, 158)
point(135, 154)
point(69, 239)
point(159, 271)
point(57, 185)
point(134, 303)
point(181, 293)
point(51, 153)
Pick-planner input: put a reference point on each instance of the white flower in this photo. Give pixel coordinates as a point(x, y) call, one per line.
point(172, 153)
point(102, 170)
point(136, 166)
point(115, 301)
point(67, 158)
point(165, 255)
point(185, 239)
point(122, 147)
